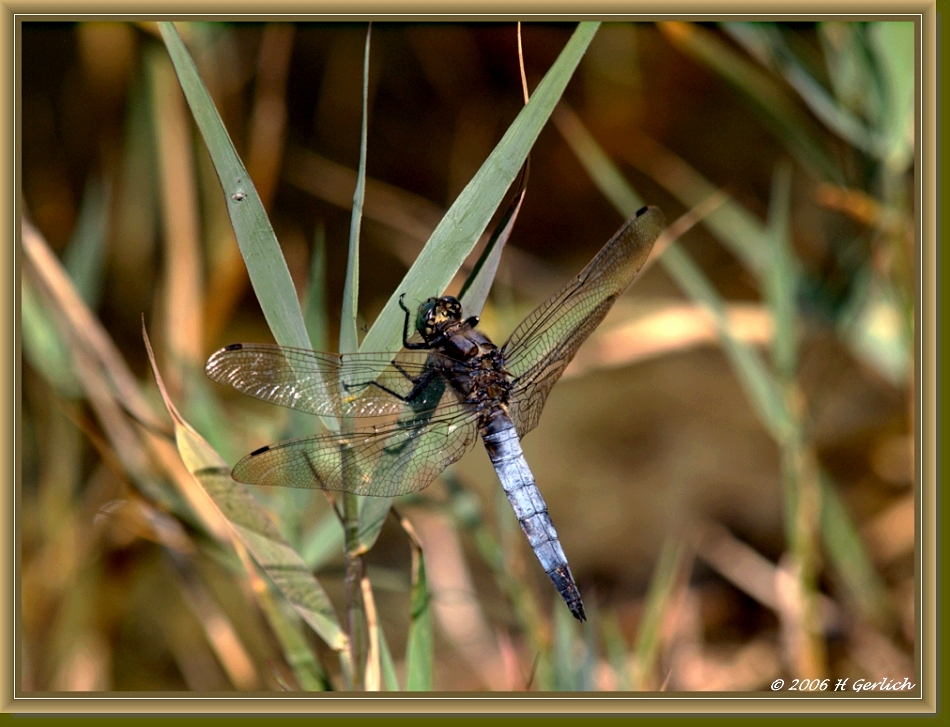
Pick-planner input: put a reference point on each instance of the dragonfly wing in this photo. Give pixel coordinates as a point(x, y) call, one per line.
point(326, 384)
point(387, 461)
point(544, 343)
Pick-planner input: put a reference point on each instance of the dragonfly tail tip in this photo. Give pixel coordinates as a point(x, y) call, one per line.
point(578, 610)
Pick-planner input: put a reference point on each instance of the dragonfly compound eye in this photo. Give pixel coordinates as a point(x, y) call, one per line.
point(427, 317)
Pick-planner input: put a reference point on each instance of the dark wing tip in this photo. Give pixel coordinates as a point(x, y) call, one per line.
point(239, 346)
point(259, 451)
point(649, 219)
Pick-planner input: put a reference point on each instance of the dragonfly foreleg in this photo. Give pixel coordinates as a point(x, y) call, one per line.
point(405, 328)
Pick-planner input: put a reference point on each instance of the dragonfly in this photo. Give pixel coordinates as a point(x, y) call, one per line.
point(414, 413)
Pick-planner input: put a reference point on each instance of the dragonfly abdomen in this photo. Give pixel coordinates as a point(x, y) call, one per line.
point(504, 450)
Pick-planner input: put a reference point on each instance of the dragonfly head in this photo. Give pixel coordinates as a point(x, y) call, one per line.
point(435, 314)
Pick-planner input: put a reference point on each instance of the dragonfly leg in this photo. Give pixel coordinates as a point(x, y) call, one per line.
point(400, 369)
point(418, 385)
point(405, 329)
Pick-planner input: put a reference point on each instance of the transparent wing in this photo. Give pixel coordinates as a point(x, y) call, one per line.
point(544, 343)
point(326, 384)
point(381, 461)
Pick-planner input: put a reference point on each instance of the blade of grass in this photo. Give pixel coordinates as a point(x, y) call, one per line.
point(323, 541)
point(315, 299)
point(782, 283)
point(308, 671)
point(756, 379)
point(474, 292)
point(848, 553)
point(588, 666)
point(849, 64)
point(799, 464)
point(356, 584)
point(390, 680)
point(43, 346)
point(262, 255)
point(670, 567)
point(765, 41)
point(615, 646)
point(893, 46)
point(85, 255)
point(510, 544)
point(349, 341)
point(335, 183)
point(565, 671)
point(252, 524)
point(419, 648)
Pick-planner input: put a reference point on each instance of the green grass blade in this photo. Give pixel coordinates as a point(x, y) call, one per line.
point(565, 671)
point(471, 212)
point(615, 646)
point(849, 65)
point(765, 40)
point(474, 292)
point(783, 280)
point(667, 570)
point(600, 167)
point(754, 376)
point(390, 680)
point(315, 299)
point(373, 512)
point(265, 261)
point(419, 646)
point(43, 344)
point(588, 667)
point(85, 256)
point(252, 524)
point(322, 542)
point(288, 631)
point(893, 47)
point(349, 340)
point(849, 558)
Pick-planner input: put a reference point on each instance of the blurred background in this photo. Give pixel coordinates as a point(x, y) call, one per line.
point(729, 461)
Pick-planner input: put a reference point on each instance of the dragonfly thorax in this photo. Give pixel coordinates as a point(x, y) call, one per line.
point(436, 316)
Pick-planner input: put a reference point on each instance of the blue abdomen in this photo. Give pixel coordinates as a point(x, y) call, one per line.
point(504, 450)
